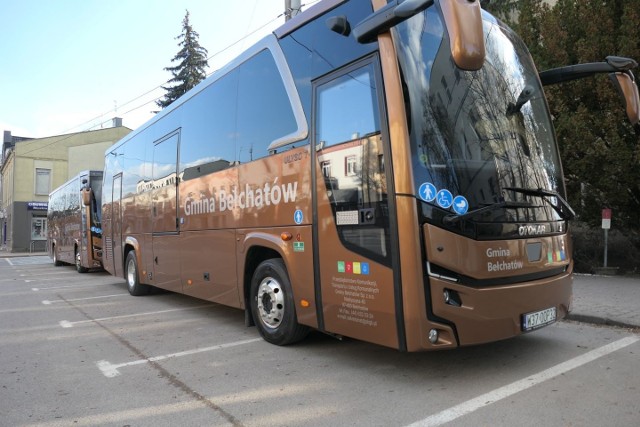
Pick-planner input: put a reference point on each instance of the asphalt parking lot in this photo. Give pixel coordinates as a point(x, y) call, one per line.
point(77, 349)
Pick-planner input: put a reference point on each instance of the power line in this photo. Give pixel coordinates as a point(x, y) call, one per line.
point(163, 83)
point(246, 36)
point(157, 87)
point(242, 39)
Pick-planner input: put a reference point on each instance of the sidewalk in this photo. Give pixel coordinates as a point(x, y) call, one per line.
point(602, 300)
point(606, 300)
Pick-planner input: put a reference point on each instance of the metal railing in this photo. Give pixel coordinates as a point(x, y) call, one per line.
point(38, 246)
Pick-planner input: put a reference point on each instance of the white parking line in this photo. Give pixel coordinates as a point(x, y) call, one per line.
point(53, 288)
point(47, 274)
point(47, 302)
point(67, 324)
point(110, 370)
point(498, 394)
point(29, 260)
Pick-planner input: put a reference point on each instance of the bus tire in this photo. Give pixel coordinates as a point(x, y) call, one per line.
point(56, 261)
point(272, 304)
point(131, 274)
point(79, 267)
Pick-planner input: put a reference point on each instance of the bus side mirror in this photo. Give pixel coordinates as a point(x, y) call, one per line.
point(86, 197)
point(627, 87)
point(463, 20)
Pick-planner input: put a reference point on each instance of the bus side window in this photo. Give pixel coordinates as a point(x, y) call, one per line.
point(208, 142)
point(348, 107)
point(264, 108)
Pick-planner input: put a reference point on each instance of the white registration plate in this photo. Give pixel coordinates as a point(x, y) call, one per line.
point(538, 319)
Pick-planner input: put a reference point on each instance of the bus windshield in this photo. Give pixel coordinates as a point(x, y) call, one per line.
point(478, 138)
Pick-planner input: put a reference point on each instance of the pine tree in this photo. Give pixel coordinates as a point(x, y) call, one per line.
point(192, 61)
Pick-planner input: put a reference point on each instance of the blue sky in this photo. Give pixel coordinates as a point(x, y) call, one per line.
point(68, 64)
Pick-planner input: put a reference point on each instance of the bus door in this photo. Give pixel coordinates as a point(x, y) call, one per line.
point(164, 213)
point(356, 288)
point(116, 224)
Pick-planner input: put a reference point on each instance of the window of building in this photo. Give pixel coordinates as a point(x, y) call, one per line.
point(43, 181)
point(350, 163)
point(38, 229)
point(326, 168)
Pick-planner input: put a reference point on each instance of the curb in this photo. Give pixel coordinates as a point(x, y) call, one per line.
point(596, 320)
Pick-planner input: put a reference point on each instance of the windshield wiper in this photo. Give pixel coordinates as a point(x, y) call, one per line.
point(452, 219)
point(562, 206)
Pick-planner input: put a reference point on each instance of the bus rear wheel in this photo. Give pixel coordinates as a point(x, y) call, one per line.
point(131, 274)
point(272, 304)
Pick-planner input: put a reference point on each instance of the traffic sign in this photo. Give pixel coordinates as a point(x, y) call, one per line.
point(606, 219)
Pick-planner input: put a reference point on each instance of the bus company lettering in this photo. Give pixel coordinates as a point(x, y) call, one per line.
point(502, 265)
point(250, 197)
point(493, 253)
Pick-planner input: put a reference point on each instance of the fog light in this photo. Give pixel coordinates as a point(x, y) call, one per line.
point(433, 336)
point(451, 297)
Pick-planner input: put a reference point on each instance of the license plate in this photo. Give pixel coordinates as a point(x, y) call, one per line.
point(538, 319)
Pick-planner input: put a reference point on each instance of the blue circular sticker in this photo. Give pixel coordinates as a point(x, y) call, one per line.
point(427, 192)
point(298, 217)
point(460, 205)
point(444, 199)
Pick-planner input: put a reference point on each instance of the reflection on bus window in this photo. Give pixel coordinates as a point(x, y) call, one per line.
point(352, 159)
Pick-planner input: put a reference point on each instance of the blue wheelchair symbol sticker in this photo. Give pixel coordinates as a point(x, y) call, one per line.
point(298, 217)
point(427, 192)
point(444, 199)
point(460, 205)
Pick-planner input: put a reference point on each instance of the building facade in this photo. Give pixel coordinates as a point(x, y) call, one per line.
point(31, 168)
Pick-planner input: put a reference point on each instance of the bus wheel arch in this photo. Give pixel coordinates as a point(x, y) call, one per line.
point(272, 304)
point(255, 255)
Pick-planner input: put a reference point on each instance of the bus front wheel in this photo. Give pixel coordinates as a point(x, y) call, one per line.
point(131, 274)
point(272, 304)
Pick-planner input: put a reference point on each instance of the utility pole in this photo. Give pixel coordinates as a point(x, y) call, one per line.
point(291, 8)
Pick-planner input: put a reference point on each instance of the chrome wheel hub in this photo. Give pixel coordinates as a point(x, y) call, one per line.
point(270, 302)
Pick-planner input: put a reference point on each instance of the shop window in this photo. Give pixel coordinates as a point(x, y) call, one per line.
point(38, 229)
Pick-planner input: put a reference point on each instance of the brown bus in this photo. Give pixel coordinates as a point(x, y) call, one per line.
point(387, 172)
point(74, 227)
